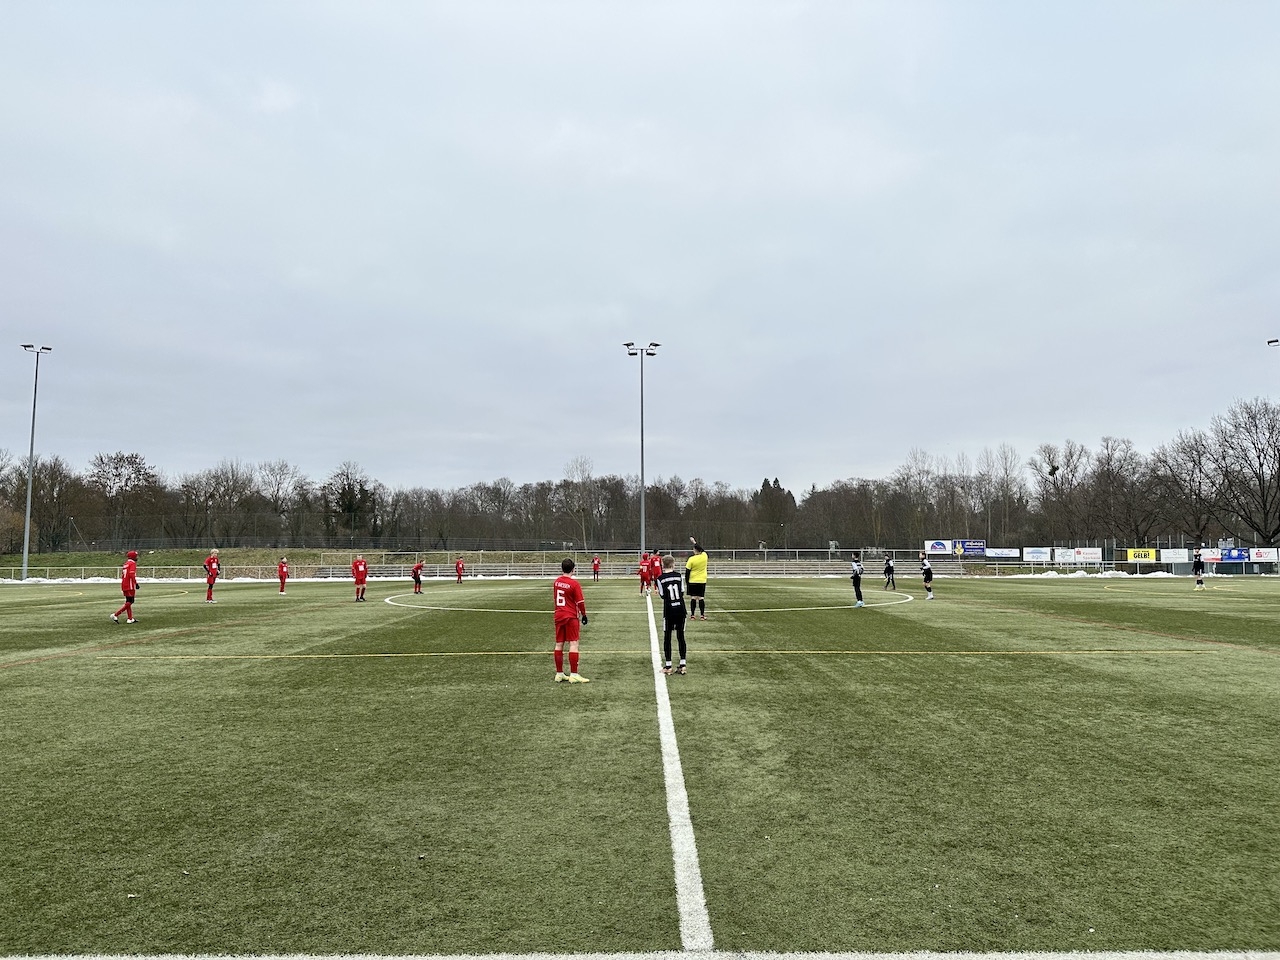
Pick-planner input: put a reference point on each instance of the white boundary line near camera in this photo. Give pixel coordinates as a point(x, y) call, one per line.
point(710, 955)
point(691, 900)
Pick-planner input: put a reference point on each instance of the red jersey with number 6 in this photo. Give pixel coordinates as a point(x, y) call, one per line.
point(570, 604)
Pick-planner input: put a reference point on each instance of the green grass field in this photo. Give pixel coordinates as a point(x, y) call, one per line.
point(1019, 765)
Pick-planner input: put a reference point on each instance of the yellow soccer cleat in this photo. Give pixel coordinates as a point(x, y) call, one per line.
point(578, 678)
point(561, 677)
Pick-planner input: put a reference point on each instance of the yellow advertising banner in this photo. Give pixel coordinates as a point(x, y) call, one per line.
point(1143, 554)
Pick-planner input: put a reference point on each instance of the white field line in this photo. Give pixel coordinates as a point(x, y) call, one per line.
point(691, 901)
point(707, 955)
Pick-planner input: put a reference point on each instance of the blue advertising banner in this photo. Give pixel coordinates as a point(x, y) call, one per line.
point(970, 548)
point(1235, 555)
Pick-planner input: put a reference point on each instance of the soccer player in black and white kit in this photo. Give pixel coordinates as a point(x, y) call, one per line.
point(857, 579)
point(671, 589)
point(1197, 567)
point(927, 572)
point(889, 582)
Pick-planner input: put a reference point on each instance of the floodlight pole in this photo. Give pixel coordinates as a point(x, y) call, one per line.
point(31, 453)
point(1276, 343)
point(641, 352)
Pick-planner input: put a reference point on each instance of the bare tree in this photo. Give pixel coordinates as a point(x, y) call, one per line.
point(580, 494)
point(1186, 484)
point(128, 485)
point(1122, 493)
point(1059, 475)
point(1244, 449)
point(232, 489)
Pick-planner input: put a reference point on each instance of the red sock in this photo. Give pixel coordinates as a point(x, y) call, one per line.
point(128, 611)
point(209, 594)
point(559, 661)
point(122, 610)
point(573, 661)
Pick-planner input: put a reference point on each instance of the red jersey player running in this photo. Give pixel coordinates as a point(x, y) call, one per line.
point(282, 571)
point(128, 586)
point(360, 570)
point(570, 605)
point(211, 569)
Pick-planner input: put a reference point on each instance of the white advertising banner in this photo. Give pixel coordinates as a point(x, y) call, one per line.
point(1263, 554)
point(1211, 555)
point(938, 546)
point(1004, 553)
point(1037, 554)
point(1177, 555)
point(1072, 556)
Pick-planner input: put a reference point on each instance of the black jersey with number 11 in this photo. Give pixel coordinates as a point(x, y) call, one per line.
point(671, 589)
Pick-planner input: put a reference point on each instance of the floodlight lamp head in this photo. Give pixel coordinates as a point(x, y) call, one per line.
point(28, 346)
point(1272, 343)
point(652, 345)
point(629, 344)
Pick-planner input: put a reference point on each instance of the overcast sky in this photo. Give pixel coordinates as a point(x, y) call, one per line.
point(415, 235)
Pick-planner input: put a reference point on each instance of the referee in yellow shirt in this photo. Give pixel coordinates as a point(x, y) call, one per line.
point(695, 578)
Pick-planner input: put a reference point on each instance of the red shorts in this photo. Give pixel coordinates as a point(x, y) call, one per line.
point(360, 581)
point(568, 631)
point(211, 580)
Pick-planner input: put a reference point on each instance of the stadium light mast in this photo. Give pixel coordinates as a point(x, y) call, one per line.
point(1276, 343)
point(641, 352)
point(31, 454)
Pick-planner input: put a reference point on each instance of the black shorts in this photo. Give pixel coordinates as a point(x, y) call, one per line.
point(697, 590)
point(928, 576)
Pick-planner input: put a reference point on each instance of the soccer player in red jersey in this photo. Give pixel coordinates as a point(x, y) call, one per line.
point(128, 586)
point(459, 568)
point(655, 569)
point(570, 606)
point(417, 577)
point(595, 568)
point(211, 570)
point(360, 570)
point(282, 571)
point(644, 573)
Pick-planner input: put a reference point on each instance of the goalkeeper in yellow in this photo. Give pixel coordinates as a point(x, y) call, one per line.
point(695, 578)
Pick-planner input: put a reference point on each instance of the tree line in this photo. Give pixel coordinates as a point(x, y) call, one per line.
point(1203, 485)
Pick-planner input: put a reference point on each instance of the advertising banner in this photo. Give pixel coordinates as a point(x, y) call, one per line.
point(970, 548)
point(1077, 555)
point(1037, 554)
point(1263, 554)
point(1142, 555)
point(1177, 555)
point(1211, 555)
point(1004, 553)
point(1235, 555)
point(937, 546)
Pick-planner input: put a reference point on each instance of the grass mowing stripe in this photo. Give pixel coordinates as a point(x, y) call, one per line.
point(691, 899)
point(1110, 625)
point(631, 653)
point(718, 955)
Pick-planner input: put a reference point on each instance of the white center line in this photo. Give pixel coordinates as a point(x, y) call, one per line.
point(691, 901)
